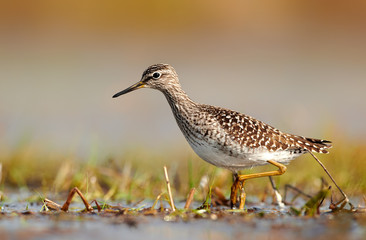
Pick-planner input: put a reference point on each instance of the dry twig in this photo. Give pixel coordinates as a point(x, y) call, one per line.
point(190, 198)
point(66, 205)
point(346, 199)
point(52, 205)
point(169, 190)
point(277, 195)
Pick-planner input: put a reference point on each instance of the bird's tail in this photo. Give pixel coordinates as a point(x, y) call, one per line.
point(312, 144)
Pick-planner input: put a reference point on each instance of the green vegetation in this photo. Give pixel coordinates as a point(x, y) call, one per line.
point(139, 175)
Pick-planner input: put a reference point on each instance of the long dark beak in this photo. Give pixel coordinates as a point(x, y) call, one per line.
point(130, 89)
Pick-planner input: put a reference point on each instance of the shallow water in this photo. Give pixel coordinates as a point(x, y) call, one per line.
point(21, 220)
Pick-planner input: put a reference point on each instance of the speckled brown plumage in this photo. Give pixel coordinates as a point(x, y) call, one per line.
point(250, 132)
point(223, 137)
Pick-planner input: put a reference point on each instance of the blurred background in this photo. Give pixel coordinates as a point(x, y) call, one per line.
point(297, 65)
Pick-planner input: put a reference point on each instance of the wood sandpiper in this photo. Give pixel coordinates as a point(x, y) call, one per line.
point(226, 138)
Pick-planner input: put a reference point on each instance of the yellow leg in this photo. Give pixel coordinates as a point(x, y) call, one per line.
point(243, 196)
point(239, 182)
point(234, 190)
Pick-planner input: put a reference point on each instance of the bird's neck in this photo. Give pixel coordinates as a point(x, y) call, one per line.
point(179, 101)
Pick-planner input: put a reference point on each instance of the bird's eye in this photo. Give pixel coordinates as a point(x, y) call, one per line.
point(156, 75)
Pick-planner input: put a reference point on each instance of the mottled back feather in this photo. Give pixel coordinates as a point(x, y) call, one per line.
point(253, 133)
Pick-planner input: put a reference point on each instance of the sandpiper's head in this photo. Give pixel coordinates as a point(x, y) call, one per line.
point(158, 76)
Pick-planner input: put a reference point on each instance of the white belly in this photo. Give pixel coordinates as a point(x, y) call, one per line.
point(246, 158)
